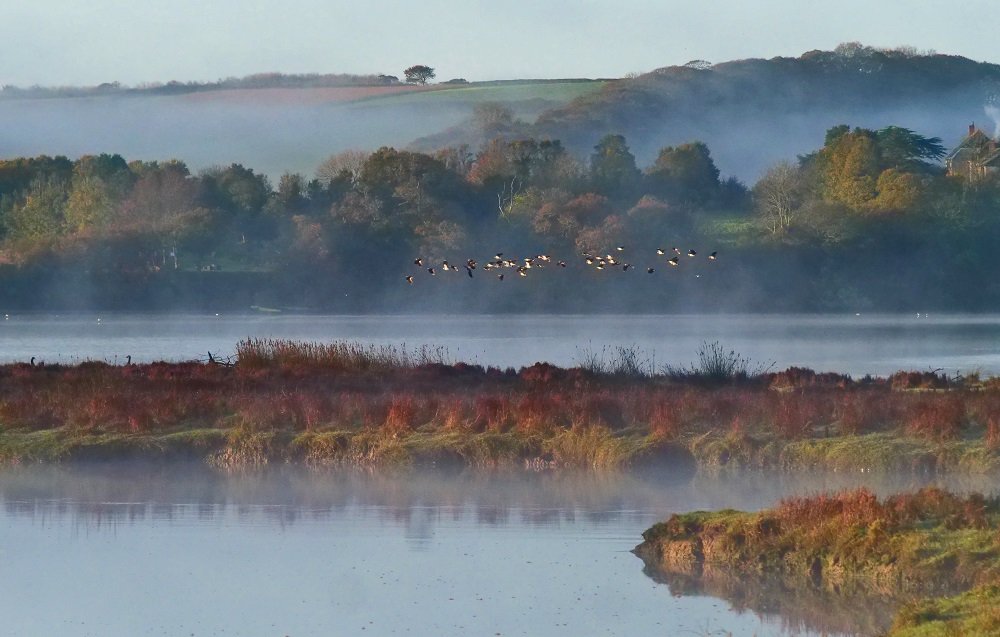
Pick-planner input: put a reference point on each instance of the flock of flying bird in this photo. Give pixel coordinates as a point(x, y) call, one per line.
point(523, 265)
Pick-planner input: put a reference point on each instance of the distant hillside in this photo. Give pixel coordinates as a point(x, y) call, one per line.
point(272, 127)
point(754, 112)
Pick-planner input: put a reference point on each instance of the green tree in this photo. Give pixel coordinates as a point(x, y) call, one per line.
point(40, 216)
point(685, 173)
point(612, 167)
point(418, 74)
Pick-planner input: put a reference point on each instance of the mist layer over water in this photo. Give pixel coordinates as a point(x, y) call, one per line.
point(118, 550)
point(855, 345)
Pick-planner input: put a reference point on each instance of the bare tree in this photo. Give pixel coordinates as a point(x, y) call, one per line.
point(778, 196)
point(349, 161)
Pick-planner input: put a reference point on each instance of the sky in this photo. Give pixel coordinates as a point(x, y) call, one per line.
point(86, 42)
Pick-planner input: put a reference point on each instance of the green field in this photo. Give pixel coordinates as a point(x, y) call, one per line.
point(559, 91)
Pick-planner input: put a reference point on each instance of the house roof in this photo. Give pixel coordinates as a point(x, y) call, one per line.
point(974, 140)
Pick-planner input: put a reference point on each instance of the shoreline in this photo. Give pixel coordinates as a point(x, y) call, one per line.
point(928, 561)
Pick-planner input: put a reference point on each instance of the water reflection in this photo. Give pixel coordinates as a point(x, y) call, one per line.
point(295, 552)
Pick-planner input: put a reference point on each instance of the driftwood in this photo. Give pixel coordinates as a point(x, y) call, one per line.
point(222, 362)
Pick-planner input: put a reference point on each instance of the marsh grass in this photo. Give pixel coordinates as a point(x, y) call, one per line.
point(716, 364)
point(382, 406)
point(259, 353)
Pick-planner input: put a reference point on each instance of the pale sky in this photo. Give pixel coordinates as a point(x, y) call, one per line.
point(85, 42)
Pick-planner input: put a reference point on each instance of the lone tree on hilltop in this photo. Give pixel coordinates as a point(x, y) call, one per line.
point(418, 74)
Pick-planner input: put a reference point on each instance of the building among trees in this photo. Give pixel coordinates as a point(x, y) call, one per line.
point(977, 156)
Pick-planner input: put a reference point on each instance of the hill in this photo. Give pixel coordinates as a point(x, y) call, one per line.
point(754, 112)
point(271, 128)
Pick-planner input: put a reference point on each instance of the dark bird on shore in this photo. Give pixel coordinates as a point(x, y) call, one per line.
point(128, 360)
point(211, 359)
point(431, 271)
point(691, 253)
point(713, 256)
point(418, 262)
point(32, 363)
point(673, 261)
point(650, 270)
point(409, 279)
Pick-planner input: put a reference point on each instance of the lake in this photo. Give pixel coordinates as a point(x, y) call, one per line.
point(856, 345)
point(123, 550)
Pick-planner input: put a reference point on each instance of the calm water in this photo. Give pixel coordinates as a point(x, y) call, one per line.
point(855, 345)
point(117, 551)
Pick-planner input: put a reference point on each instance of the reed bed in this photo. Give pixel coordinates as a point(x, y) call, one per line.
point(399, 397)
point(261, 353)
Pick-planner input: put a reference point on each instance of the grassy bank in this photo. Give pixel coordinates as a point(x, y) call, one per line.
point(935, 553)
point(351, 403)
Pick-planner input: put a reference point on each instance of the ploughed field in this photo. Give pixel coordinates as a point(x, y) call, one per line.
point(353, 404)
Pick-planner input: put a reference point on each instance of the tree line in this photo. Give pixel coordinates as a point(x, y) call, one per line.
point(870, 211)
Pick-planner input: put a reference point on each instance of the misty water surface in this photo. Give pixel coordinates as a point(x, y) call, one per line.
point(855, 345)
point(114, 550)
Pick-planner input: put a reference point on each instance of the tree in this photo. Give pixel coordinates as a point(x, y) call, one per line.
point(418, 74)
point(778, 195)
point(612, 167)
point(685, 173)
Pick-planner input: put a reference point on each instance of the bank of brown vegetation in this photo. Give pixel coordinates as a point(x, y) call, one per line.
point(357, 403)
